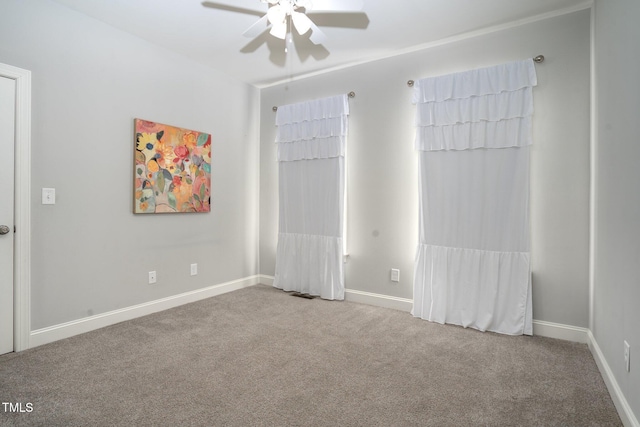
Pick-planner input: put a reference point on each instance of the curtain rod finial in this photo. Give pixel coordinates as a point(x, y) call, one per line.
point(538, 59)
point(275, 108)
point(410, 83)
point(352, 94)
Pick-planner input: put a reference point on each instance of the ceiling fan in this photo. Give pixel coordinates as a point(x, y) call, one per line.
point(283, 15)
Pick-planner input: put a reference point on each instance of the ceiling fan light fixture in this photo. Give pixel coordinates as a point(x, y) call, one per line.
point(276, 15)
point(279, 30)
point(301, 22)
point(281, 15)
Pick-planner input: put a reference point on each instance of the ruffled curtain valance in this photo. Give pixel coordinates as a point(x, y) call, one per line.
point(485, 108)
point(314, 130)
point(483, 81)
point(334, 106)
point(468, 136)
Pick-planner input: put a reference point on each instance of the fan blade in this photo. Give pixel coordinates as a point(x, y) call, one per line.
point(228, 8)
point(317, 36)
point(355, 20)
point(301, 22)
point(257, 28)
point(336, 5)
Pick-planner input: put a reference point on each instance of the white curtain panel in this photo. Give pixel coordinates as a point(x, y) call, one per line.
point(473, 257)
point(311, 140)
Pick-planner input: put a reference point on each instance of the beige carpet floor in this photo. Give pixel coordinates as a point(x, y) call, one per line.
point(260, 357)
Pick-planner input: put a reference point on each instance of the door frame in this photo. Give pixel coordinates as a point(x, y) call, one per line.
point(22, 207)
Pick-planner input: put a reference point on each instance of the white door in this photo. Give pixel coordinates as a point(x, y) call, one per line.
point(7, 145)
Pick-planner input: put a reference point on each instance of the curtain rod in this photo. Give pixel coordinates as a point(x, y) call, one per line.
point(351, 94)
point(537, 59)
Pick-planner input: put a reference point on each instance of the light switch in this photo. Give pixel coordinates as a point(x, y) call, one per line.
point(48, 196)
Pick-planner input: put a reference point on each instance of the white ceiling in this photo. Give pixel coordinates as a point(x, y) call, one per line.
point(214, 37)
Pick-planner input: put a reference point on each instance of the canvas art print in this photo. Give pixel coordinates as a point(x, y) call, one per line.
point(172, 169)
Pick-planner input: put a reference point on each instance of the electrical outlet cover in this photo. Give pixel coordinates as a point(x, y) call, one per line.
point(627, 356)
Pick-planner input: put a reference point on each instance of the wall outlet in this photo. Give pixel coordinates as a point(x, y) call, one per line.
point(194, 269)
point(627, 356)
point(395, 275)
point(152, 277)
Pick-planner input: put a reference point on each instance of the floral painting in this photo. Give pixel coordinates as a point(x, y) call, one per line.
point(172, 169)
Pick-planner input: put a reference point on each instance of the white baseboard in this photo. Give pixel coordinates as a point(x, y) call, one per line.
point(266, 280)
point(540, 327)
point(362, 297)
point(87, 324)
point(560, 331)
point(625, 412)
point(379, 300)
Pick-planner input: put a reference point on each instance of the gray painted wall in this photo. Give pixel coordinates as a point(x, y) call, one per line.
point(617, 221)
point(382, 165)
point(90, 254)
